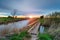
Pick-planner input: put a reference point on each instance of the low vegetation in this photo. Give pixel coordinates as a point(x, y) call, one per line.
point(53, 23)
point(41, 20)
point(44, 37)
point(24, 35)
point(52, 26)
point(54, 18)
point(5, 20)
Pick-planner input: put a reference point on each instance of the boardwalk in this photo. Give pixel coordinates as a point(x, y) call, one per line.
point(34, 32)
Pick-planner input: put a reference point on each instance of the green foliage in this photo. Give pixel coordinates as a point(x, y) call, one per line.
point(10, 17)
point(2, 39)
point(4, 20)
point(41, 21)
point(19, 36)
point(44, 37)
point(23, 34)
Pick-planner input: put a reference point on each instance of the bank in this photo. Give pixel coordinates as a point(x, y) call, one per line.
point(6, 20)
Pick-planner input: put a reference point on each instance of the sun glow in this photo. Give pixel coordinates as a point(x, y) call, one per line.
point(30, 16)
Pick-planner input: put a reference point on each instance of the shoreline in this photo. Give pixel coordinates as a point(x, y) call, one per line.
point(11, 21)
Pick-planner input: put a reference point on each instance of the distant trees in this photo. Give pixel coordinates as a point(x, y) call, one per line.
point(55, 14)
point(53, 18)
point(9, 17)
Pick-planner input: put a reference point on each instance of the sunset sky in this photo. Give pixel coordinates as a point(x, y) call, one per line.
point(32, 7)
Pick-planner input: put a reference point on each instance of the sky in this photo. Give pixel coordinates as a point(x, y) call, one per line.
point(26, 7)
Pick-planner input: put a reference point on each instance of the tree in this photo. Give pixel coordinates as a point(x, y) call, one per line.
point(14, 13)
point(9, 17)
point(41, 19)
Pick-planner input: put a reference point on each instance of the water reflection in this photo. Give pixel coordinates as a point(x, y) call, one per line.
point(11, 26)
point(41, 29)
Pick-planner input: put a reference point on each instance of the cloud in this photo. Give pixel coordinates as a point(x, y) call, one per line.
point(3, 13)
point(30, 6)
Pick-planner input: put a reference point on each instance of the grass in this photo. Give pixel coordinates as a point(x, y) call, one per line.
point(4, 20)
point(44, 37)
point(20, 36)
point(53, 19)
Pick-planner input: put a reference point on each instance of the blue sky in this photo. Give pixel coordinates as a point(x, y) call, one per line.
point(23, 7)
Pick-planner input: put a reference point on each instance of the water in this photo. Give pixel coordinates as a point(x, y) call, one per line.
point(11, 26)
point(41, 29)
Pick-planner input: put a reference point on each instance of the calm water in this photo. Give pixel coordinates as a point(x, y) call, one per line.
point(11, 26)
point(41, 29)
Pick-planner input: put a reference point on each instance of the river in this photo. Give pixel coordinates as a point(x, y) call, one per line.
point(11, 26)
